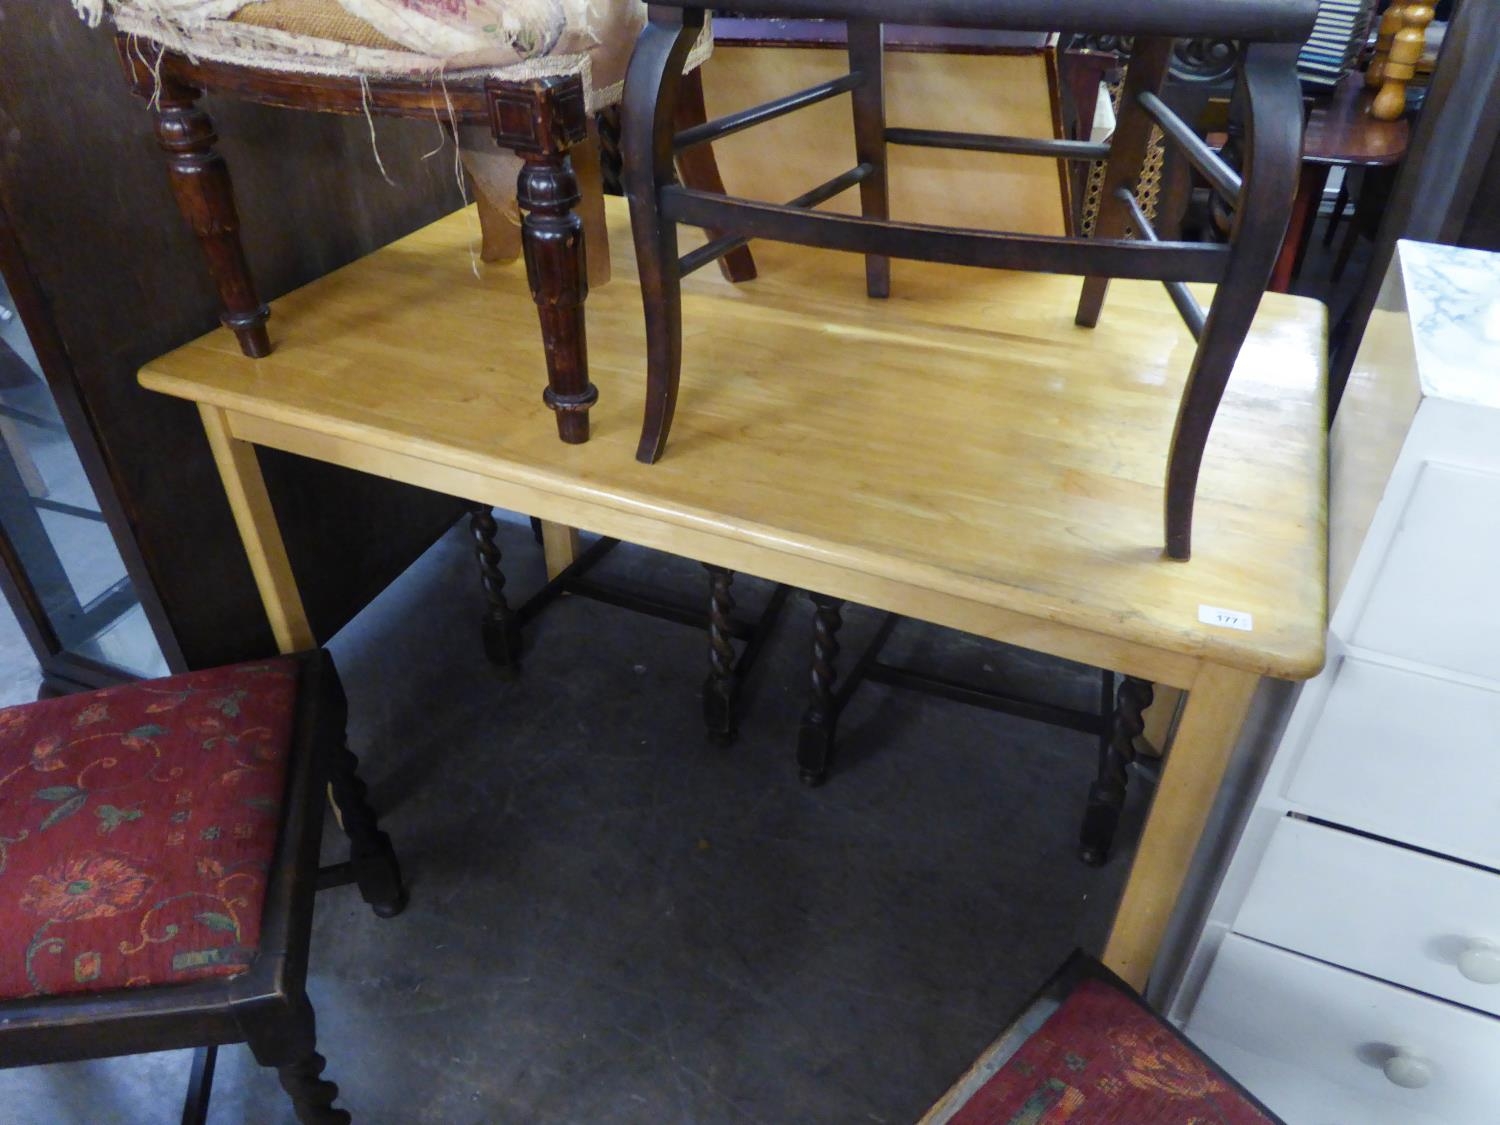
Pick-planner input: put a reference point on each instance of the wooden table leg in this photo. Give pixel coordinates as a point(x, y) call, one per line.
point(820, 720)
point(500, 630)
point(559, 547)
point(1206, 734)
point(1310, 185)
point(720, 688)
point(1107, 793)
point(251, 504)
point(1161, 722)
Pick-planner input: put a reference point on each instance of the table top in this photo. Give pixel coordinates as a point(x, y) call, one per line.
point(1341, 131)
point(962, 441)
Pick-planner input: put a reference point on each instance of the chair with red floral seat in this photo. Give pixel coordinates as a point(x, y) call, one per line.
point(158, 858)
point(1088, 1051)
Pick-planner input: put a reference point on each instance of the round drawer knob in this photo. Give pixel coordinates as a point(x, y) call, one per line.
point(1408, 1071)
point(1480, 963)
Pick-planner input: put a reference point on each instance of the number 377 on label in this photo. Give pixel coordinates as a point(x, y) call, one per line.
point(1225, 618)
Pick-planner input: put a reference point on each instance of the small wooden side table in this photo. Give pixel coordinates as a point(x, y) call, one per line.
point(1341, 133)
point(807, 461)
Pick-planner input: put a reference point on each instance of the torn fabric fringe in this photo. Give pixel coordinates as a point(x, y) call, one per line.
point(511, 39)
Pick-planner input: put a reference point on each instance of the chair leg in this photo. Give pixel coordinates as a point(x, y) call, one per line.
point(285, 1036)
point(652, 85)
point(371, 856)
point(293, 1052)
point(541, 119)
point(1340, 205)
point(500, 628)
point(699, 169)
point(720, 688)
point(312, 1095)
point(820, 719)
point(1107, 793)
point(867, 56)
point(1127, 157)
point(1273, 103)
point(1346, 251)
point(200, 1086)
point(205, 195)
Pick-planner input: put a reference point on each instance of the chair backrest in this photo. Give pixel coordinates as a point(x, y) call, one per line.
point(1124, 243)
point(1266, 21)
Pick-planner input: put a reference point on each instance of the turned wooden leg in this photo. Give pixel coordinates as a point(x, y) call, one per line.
point(720, 688)
point(820, 719)
point(312, 1095)
point(1127, 157)
point(205, 195)
point(1193, 772)
point(376, 869)
point(501, 630)
point(1107, 793)
point(286, 1038)
point(867, 56)
point(541, 119)
point(1273, 104)
point(647, 116)
point(699, 169)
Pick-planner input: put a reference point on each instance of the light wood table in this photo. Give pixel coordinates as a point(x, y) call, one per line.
point(960, 453)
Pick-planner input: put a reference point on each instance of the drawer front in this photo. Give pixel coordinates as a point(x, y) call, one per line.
point(1315, 1043)
point(1392, 913)
point(1406, 756)
point(1434, 599)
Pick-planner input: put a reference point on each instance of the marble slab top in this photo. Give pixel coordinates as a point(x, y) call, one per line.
point(1453, 302)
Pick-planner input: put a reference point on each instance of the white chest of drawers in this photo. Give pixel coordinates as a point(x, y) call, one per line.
point(1349, 970)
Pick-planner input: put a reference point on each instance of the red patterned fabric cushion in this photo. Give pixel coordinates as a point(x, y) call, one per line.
point(1103, 1059)
point(137, 826)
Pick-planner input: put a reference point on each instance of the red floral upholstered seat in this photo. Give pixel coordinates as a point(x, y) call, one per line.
point(1088, 1052)
point(159, 847)
point(137, 826)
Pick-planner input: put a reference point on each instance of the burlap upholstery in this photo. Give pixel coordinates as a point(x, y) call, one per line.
point(316, 19)
point(396, 38)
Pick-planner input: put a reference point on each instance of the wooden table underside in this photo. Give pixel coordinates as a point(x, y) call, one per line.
point(960, 453)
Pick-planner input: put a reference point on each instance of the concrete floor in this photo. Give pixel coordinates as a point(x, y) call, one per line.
point(613, 921)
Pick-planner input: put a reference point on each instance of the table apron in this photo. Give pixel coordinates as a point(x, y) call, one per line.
point(977, 618)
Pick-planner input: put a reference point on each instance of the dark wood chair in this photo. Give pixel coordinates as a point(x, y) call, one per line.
point(1272, 31)
point(1087, 1049)
point(158, 858)
point(534, 82)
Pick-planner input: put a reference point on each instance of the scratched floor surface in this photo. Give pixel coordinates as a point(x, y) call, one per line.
point(614, 922)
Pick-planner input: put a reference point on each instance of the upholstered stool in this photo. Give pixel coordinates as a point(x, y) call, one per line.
point(1087, 1051)
point(532, 71)
point(158, 857)
point(1125, 244)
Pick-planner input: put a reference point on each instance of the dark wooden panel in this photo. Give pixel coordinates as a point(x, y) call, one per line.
point(1482, 227)
point(86, 190)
